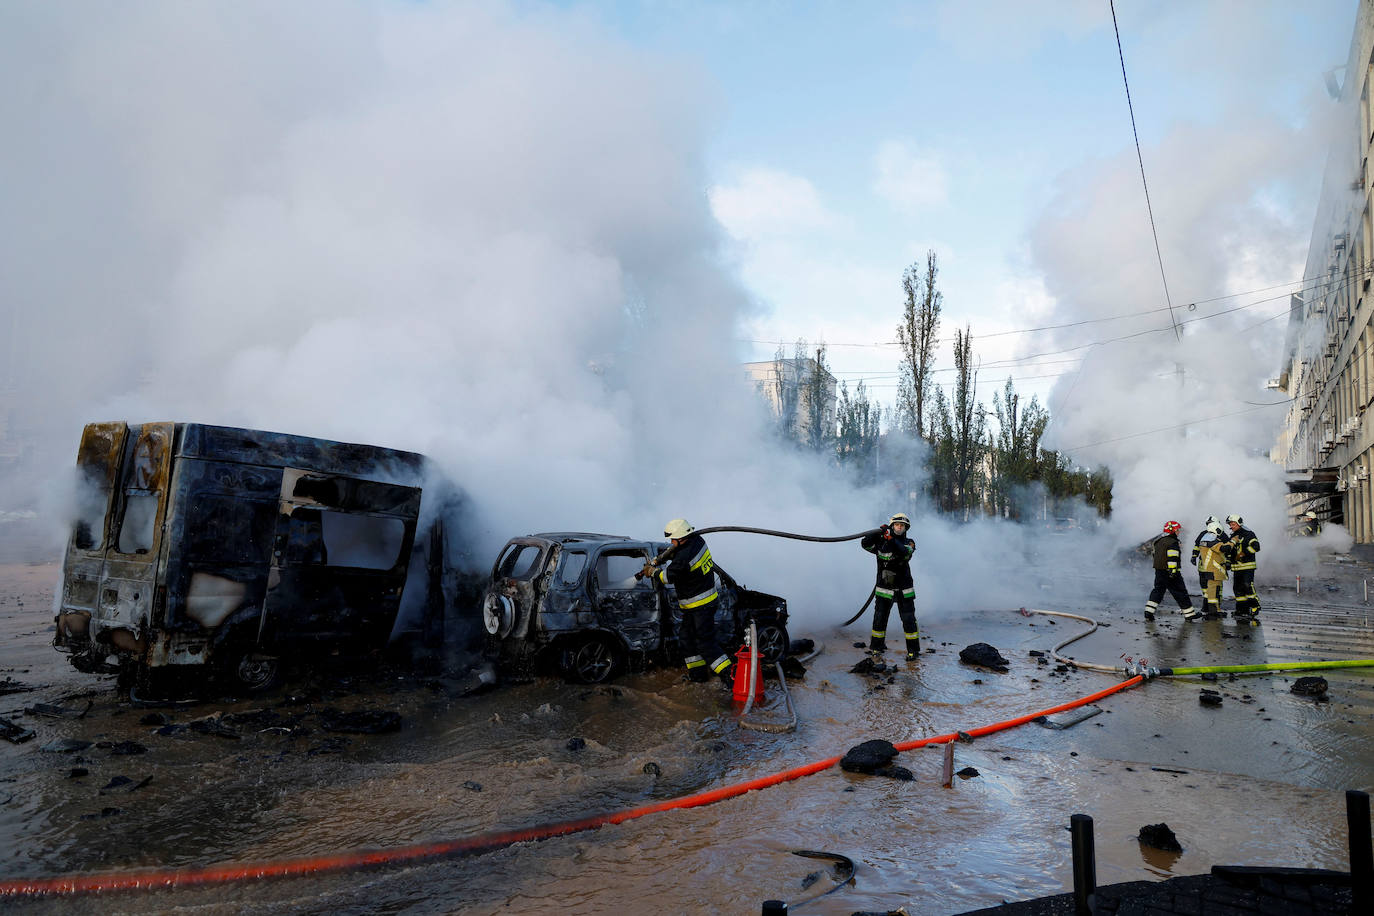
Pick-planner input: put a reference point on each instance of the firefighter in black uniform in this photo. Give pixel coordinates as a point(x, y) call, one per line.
point(1167, 575)
point(691, 573)
point(1240, 547)
point(894, 549)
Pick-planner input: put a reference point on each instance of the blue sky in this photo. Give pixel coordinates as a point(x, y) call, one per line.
point(853, 137)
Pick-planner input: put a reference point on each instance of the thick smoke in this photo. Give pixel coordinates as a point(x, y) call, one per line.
point(441, 227)
point(1184, 419)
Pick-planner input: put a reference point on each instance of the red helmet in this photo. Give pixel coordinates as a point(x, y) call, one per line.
point(1172, 527)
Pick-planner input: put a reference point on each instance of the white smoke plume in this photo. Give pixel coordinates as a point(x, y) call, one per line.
point(1184, 421)
point(449, 228)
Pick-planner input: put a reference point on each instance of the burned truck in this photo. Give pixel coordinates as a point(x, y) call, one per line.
point(226, 551)
point(569, 603)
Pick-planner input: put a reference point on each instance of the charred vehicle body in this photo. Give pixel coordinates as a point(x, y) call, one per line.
point(570, 603)
point(229, 549)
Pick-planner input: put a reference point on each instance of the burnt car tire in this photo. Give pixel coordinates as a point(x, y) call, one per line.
point(593, 660)
point(254, 673)
point(773, 642)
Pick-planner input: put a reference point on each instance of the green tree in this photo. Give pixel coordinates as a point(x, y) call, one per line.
point(1015, 450)
point(859, 424)
point(968, 426)
point(917, 337)
point(816, 402)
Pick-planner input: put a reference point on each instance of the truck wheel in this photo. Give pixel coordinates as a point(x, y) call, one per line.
point(773, 642)
point(593, 660)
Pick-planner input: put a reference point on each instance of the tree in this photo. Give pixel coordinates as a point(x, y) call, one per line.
point(969, 421)
point(857, 444)
point(815, 401)
point(917, 337)
point(1015, 449)
point(784, 395)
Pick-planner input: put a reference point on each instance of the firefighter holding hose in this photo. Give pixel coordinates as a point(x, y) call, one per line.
point(691, 572)
point(894, 550)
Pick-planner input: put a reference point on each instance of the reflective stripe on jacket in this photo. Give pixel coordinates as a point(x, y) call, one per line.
point(692, 573)
point(894, 557)
point(1241, 548)
point(1166, 552)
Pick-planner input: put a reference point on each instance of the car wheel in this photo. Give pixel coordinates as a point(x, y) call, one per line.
point(593, 660)
point(773, 642)
point(255, 673)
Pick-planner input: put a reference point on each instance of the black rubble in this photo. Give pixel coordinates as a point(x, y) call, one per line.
point(980, 653)
point(869, 757)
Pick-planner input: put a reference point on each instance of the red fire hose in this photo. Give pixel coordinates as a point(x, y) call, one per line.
point(220, 874)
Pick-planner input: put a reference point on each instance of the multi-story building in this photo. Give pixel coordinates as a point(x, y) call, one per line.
point(1326, 446)
point(788, 386)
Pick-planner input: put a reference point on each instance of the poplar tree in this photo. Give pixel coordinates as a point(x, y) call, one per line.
point(917, 336)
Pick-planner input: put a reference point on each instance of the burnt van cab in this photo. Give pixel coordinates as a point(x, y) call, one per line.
point(229, 550)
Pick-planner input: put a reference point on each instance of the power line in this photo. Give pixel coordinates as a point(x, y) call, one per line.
point(1176, 426)
point(1178, 334)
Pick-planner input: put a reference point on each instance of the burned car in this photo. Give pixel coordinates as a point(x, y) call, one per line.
point(569, 603)
point(221, 550)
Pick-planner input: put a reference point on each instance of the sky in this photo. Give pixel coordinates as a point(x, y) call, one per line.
point(535, 240)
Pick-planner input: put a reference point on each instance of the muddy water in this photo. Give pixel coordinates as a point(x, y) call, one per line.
point(1258, 780)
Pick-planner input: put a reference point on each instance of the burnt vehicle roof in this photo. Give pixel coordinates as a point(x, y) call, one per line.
point(571, 537)
point(252, 446)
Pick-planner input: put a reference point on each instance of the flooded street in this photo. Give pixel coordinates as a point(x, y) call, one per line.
point(1256, 780)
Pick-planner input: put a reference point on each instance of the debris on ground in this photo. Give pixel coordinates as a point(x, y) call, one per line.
point(124, 784)
point(472, 786)
point(122, 748)
point(968, 773)
point(10, 685)
point(58, 712)
point(1314, 687)
point(1209, 697)
point(361, 721)
point(868, 757)
point(980, 653)
point(652, 769)
point(65, 746)
point(1160, 837)
point(104, 812)
point(15, 734)
point(576, 744)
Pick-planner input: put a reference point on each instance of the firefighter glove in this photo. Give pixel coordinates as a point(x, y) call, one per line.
point(886, 531)
point(647, 572)
point(1193, 559)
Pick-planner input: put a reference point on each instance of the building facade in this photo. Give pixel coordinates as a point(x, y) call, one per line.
point(1326, 446)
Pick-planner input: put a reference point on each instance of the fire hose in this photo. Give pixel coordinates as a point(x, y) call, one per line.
point(1149, 672)
point(667, 553)
point(223, 874)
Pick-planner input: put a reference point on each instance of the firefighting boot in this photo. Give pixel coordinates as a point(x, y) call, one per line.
point(1190, 613)
point(1150, 609)
point(913, 649)
point(877, 645)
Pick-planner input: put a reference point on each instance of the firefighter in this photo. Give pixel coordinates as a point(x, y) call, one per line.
point(893, 550)
point(1240, 547)
point(1211, 567)
point(1167, 575)
point(691, 573)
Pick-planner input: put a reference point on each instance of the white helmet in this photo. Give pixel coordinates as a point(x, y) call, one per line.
point(900, 519)
point(1235, 519)
point(677, 529)
point(1213, 525)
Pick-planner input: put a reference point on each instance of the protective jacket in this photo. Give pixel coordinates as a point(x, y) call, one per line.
point(1166, 552)
point(894, 559)
point(691, 573)
point(1240, 548)
point(1208, 555)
